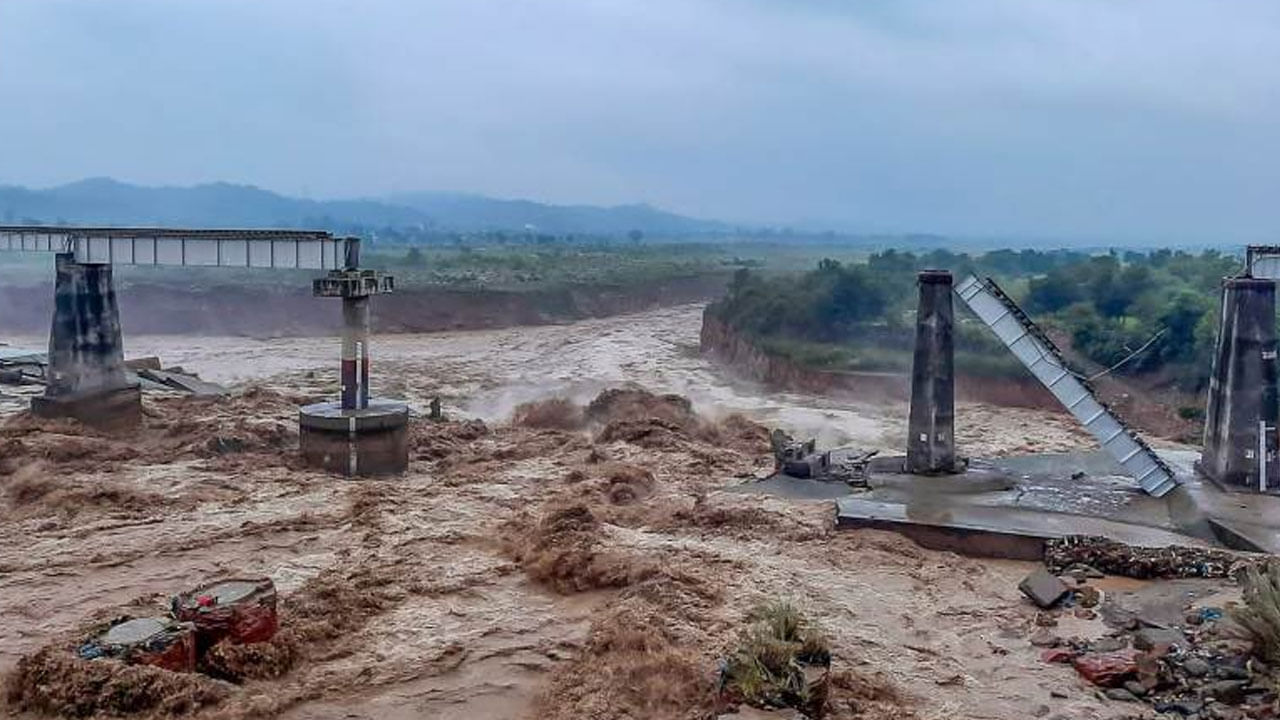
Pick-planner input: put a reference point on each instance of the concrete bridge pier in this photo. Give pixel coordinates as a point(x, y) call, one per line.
point(359, 435)
point(1242, 389)
point(931, 446)
point(86, 375)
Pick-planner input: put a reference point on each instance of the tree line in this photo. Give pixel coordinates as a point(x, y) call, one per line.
point(1106, 306)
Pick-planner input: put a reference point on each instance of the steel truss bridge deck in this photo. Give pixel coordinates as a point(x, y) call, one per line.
point(1038, 353)
point(281, 249)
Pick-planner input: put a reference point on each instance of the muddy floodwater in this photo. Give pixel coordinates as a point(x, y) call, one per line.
point(570, 565)
point(486, 373)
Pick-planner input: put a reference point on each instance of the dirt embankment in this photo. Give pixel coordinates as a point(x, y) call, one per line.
point(726, 345)
point(261, 310)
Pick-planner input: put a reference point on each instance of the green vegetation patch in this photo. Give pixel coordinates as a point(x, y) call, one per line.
point(780, 661)
point(1137, 312)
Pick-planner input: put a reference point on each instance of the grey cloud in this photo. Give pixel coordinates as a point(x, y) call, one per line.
point(1145, 120)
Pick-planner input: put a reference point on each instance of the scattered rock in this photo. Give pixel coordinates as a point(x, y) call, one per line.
point(1110, 643)
point(1044, 638)
point(1182, 707)
point(1044, 588)
point(1107, 669)
point(1083, 570)
point(1044, 619)
point(1230, 692)
point(1058, 655)
point(1196, 667)
point(1085, 613)
point(1231, 672)
point(1121, 694)
point(1151, 638)
point(1150, 670)
point(1135, 687)
point(1088, 596)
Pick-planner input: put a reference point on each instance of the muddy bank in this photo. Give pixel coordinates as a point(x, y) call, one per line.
point(280, 311)
point(727, 346)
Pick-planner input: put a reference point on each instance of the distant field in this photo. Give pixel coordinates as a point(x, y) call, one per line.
point(509, 267)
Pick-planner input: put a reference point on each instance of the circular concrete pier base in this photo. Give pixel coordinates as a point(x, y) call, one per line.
point(368, 442)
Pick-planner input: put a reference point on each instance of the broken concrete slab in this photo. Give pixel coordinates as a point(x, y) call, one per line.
point(185, 383)
point(145, 384)
point(151, 362)
point(992, 531)
point(1044, 588)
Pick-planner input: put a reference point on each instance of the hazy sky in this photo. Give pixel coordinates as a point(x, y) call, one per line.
point(1153, 119)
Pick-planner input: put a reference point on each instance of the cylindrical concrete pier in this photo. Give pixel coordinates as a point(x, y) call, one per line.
point(931, 447)
point(355, 353)
point(357, 435)
point(1242, 388)
point(86, 376)
point(370, 441)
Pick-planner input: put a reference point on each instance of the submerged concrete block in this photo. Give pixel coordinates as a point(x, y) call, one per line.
point(361, 442)
point(931, 446)
point(239, 610)
point(118, 409)
point(160, 642)
point(1242, 388)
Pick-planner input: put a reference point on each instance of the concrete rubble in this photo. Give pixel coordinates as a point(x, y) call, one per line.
point(802, 460)
point(27, 367)
point(1044, 588)
point(1161, 648)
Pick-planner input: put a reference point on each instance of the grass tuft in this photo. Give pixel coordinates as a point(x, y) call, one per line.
point(1260, 614)
point(768, 667)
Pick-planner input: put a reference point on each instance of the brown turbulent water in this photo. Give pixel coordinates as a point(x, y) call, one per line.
point(476, 601)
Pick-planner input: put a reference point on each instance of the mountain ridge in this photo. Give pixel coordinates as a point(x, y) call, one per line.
point(107, 201)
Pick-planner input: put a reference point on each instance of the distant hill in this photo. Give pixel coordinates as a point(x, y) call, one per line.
point(476, 212)
point(110, 202)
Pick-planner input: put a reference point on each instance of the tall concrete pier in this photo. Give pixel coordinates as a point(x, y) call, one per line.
point(931, 446)
point(357, 435)
point(86, 375)
point(1242, 389)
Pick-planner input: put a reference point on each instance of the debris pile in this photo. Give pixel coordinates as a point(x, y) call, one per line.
point(21, 367)
point(1116, 558)
point(26, 367)
point(1201, 666)
point(802, 460)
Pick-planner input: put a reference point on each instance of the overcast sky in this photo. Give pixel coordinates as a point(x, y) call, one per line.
point(1144, 119)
